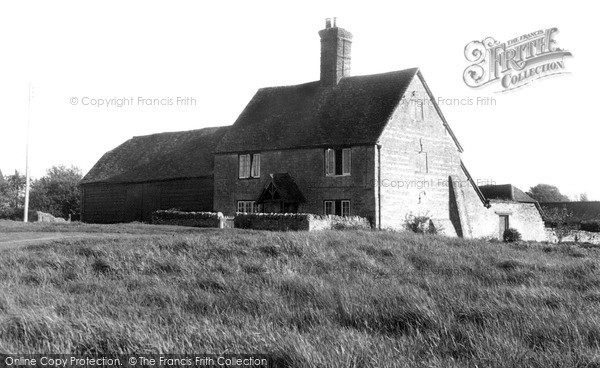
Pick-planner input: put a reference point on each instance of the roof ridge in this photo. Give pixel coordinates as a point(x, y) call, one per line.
point(180, 131)
point(415, 69)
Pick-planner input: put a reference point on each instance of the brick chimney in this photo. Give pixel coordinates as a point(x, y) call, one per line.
point(335, 53)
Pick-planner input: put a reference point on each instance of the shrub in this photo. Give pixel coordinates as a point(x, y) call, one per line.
point(298, 221)
point(511, 235)
point(593, 226)
point(180, 218)
point(420, 224)
point(8, 213)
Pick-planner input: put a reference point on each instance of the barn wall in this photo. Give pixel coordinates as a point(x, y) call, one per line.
point(103, 203)
point(111, 203)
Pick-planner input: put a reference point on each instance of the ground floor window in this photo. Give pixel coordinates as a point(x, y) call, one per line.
point(248, 207)
point(338, 207)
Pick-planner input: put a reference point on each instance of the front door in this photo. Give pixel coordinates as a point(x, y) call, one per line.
point(272, 207)
point(503, 225)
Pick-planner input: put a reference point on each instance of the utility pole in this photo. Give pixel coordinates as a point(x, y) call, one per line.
point(27, 179)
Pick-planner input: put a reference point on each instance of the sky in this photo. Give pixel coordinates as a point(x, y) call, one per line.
point(214, 56)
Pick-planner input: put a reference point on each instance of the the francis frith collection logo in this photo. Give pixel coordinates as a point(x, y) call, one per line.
point(514, 63)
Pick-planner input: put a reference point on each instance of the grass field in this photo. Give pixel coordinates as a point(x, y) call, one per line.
point(323, 299)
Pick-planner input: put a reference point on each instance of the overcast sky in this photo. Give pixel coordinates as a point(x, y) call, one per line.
point(220, 53)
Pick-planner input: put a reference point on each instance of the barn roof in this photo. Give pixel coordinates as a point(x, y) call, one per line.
point(505, 192)
point(160, 156)
point(581, 211)
point(353, 112)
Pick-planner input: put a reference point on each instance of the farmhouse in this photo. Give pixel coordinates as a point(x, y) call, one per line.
point(324, 147)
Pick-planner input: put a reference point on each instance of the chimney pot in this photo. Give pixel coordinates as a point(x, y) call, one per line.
point(328, 23)
point(334, 21)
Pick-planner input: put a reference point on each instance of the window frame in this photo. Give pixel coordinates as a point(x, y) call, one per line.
point(252, 166)
point(417, 110)
point(342, 202)
point(334, 203)
point(250, 205)
point(332, 165)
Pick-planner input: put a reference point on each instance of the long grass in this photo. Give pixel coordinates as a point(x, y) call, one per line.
point(322, 299)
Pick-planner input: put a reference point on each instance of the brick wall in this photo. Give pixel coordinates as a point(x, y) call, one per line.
point(306, 166)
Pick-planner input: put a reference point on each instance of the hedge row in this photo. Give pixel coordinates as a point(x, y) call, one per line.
point(592, 226)
point(297, 221)
point(16, 214)
point(180, 218)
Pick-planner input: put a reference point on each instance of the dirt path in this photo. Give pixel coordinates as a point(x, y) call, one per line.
point(16, 240)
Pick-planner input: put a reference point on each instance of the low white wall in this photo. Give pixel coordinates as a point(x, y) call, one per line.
point(577, 236)
point(524, 217)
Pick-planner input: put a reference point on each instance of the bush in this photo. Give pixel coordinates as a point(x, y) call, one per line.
point(592, 226)
point(180, 218)
point(298, 221)
point(511, 235)
point(16, 214)
point(420, 224)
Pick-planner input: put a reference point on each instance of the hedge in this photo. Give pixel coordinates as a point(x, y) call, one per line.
point(592, 226)
point(297, 221)
point(180, 218)
point(17, 214)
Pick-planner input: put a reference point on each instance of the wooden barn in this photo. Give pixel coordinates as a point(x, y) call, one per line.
point(147, 173)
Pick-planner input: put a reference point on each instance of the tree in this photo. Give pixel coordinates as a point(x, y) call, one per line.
point(12, 191)
point(583, 197)
point(547, 193)
point(57, 192)
point(3, 192)
point(560, 219)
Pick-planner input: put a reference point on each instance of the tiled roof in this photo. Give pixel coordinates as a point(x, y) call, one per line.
point(161, 156)
point(505, 192)
point(353, 112)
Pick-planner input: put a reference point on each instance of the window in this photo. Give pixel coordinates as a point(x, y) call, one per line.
point(345, 208)
point(338, 161)
point(338, 208)
point(255, 171)
point(248, 207)
point(249, 166)
point(416, 110)
point(329, 208)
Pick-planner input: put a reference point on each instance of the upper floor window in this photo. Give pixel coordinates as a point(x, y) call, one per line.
point(338, 161)
point(249, 165)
